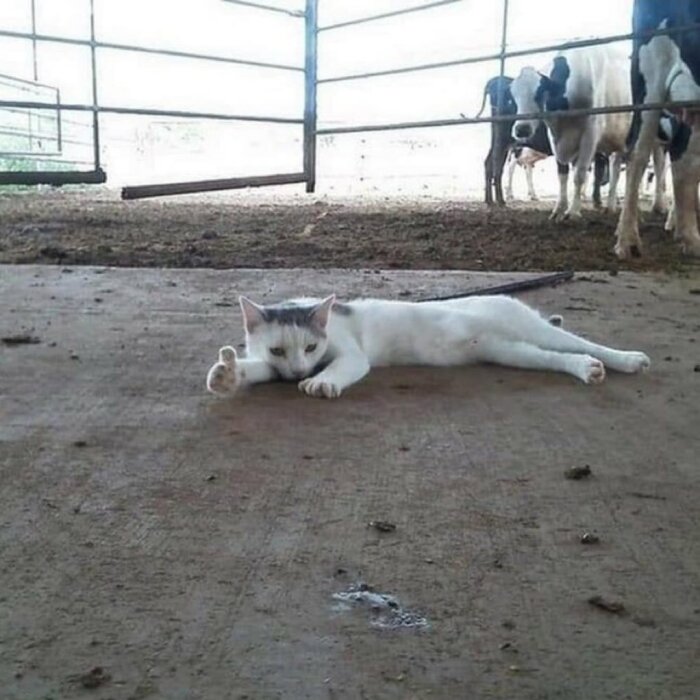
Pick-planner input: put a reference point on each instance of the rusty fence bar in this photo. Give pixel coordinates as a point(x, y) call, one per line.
point(385, 15)
point(53, 177)
point(230, 183)
point(579, 43)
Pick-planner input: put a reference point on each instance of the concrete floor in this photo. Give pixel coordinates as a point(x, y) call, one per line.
point(191, 546)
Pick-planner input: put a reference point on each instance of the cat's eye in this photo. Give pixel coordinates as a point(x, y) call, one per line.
point(311, 347)
point(278, 352)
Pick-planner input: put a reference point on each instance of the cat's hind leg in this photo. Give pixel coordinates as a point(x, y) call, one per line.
point(550, 337)
point(516, 353)
point(230, 372)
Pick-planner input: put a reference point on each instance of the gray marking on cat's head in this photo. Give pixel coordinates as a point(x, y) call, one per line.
point(289, 313)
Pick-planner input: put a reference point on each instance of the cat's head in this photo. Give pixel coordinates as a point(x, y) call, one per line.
point(291, 337)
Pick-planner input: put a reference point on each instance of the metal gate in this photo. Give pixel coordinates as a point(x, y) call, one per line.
point(312, 83)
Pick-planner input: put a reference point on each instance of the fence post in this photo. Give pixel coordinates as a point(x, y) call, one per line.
point(95, 103)
point(310, 83)
point(502, 60)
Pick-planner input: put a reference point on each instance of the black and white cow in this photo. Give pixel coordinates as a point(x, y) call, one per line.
point(497, 91)
point(664, 68)
point(578, 79)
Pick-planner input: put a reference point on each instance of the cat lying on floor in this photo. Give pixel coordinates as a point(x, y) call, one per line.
point(328, 346)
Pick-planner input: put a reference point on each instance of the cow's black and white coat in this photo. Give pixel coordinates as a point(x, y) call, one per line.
point(578, 79)
point(664, 68)
point(497, 92)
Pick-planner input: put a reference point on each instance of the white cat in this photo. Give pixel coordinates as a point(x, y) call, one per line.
point(328, 346)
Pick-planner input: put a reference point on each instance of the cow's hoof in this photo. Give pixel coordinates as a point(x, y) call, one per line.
point(625, 251)
point(691, 247)
point(557, 216)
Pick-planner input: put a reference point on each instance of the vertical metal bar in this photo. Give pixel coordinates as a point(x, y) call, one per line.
point(310, 85)
point(30, 121)
point(504, 46)
point(32, 5)
point(95, 104)
point(59, 122)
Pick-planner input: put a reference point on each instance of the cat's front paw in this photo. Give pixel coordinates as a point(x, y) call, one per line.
point(223, 377)
point(320, 388)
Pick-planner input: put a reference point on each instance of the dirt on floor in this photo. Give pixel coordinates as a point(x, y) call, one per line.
point(425, 536)
point(269, 230)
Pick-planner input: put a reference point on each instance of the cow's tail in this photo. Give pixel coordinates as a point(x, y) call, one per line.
point(483, 102)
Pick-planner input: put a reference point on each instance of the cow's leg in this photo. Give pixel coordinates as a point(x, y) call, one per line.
point(500, 161)
point(512, 163)
point(583, 162)
point(563, 201)
point(686, 175)
point(670, 223)
point(532, 195)
point(599, 166)
point(659, 158)
point(627, 231)
point(615, 165)
point(488, 178)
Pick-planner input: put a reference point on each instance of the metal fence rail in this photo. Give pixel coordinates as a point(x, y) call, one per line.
point(147, 111)
point(386, 15)
point(271, 8)
point(135, 48)
point(651, 106)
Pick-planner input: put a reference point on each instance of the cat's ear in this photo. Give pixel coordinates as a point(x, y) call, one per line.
point(322, 313)
point(253, 315)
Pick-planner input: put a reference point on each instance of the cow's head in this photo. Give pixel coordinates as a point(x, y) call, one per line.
point(535, 92)
point(524, 90)
point(551, 93)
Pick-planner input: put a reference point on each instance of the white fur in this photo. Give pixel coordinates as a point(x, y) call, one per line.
point(527, 159)
point(377, 333)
